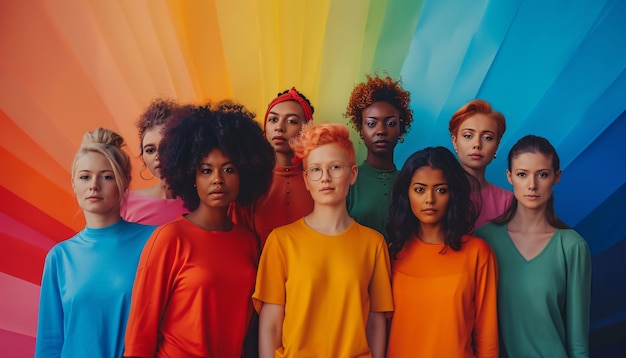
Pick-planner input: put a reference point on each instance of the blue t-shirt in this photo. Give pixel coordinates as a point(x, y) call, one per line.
point(86, 289)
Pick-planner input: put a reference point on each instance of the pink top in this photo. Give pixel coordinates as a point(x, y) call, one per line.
point(495, 201)
point(151, 211)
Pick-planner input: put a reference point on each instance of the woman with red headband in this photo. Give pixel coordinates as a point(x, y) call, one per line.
point(287, 199)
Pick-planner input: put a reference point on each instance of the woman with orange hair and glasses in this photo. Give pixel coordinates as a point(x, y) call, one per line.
point(476, 131)
point(287, 198)
point(323, 284)
point(379, 111)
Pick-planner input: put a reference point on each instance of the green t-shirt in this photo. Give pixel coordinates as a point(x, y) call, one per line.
point(543, 303)
point(369, 198)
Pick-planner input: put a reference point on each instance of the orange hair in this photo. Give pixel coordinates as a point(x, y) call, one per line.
point(316, 135)
point(473, 107)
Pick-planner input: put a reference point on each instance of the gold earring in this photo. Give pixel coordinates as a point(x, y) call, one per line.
point(401, 139)
point(141, 173)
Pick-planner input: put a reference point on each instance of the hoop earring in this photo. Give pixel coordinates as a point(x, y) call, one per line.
point(141, 174)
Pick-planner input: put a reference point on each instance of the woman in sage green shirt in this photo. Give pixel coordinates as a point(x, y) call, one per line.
point(545, 267)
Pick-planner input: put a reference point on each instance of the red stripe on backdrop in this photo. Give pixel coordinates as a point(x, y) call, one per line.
point(28, 214)
point(20, 259)
point(34, 187)
point(14, 228)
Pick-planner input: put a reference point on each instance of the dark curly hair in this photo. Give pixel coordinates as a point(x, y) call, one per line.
point(379, 89)
point(161, 110)
point(231, 128)
point(460, 214)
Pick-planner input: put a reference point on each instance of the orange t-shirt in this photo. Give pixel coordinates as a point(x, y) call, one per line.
point(192, 292)
point(445, 304)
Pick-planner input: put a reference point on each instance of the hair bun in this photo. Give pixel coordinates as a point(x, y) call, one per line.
point(103, 136)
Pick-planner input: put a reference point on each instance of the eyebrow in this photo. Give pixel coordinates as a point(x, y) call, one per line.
point(539, 170)
point(287, 114)
point(474, 130)
point(96, 171)
point(374, 117)
point(422, 184)
point(211, 165)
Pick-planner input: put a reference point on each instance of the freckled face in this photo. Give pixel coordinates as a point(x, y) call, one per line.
point(476, 141)
point(380, 127)
point(429, 195)
point(532, 177)
point(217, 180)
point(150, 148)
point(284, 121)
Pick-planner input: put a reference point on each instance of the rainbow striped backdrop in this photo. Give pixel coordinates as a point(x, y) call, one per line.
point(555, 68)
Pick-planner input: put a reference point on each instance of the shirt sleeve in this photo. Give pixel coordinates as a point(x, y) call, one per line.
point(578, 260)
point(50, 320)
point(271, 276)
point(485, 301)
point(153, 282)
point(380, 286)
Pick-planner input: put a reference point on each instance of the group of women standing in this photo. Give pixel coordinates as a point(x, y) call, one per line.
point(337, 259)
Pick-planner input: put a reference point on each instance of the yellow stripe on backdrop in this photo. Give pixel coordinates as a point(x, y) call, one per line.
point(197, 29)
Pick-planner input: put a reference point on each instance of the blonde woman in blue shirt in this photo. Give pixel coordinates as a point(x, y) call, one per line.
point(88, 279)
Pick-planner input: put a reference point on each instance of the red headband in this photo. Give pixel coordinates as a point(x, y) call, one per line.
point(292, 95)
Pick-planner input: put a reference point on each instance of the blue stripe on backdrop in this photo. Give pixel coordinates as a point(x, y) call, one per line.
point(595, 175)
point(555, 69)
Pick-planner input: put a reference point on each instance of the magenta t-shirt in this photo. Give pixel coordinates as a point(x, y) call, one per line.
point(495, 201)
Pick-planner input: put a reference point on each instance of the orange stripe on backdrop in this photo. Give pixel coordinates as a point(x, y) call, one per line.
point(37, 189)
point(52, 98)
point(20, 259)
point(118, 23)
point(17, 142)
point(78, 27)
point(197, 29)
point(26, 213)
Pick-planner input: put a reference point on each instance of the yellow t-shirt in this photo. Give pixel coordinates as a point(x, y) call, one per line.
point(328, 284)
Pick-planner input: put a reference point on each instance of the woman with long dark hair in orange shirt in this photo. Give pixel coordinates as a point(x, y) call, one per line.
point(443, 280)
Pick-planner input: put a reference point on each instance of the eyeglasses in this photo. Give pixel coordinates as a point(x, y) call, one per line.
point(316, 173)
